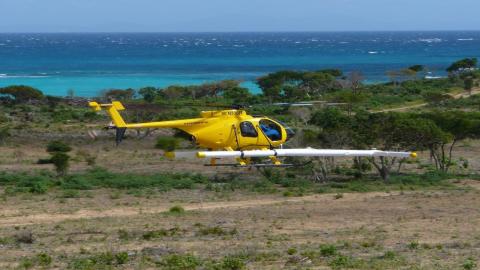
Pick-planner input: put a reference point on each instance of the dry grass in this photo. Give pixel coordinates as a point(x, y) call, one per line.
point(428, 230)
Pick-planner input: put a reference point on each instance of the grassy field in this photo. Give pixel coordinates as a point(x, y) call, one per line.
point(434, 227)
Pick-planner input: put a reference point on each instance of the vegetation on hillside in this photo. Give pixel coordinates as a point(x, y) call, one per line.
point(348, 119)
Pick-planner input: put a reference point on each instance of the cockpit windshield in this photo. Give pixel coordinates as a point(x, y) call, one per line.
point(271, 129)
point(290, 132)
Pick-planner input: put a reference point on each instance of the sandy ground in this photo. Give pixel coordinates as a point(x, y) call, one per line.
point(444, 224)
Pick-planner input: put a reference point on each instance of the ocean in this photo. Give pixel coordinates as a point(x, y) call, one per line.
point(89, 63)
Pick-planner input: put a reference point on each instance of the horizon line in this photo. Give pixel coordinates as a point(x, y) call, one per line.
point(225, 32)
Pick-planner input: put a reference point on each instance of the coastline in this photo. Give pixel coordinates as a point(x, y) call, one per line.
point(88, 63)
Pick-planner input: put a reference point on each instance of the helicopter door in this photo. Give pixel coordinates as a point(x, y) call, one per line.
point(249, 134)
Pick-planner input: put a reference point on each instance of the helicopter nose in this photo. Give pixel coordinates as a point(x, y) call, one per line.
point(290, 134)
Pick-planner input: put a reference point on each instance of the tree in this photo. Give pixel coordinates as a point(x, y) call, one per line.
point(408, 74)
point(59, 157)
point(119, 94)
point(393, 75)
point(302, 113)
point(239, 95)
point(315, 84)
point(468, 85)
point(295, 85)
point(416, 69)
point(350, 98)
point(462, 65)
point(61, 162)
point(22, 93)
point(272, 84)
point(148, 93)
point(394, 132)
point(4, 133)
point(436, 97)
point(70, 93)
point(175, 92)
point(332, 72)
point(457, 126)
point(335, 128)
point(355, 79)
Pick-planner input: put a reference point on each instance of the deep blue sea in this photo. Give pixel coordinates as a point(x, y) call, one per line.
point(89, 63)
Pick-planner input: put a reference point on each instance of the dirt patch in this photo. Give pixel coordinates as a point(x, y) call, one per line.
point(420, 229)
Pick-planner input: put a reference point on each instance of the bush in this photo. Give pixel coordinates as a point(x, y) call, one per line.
point(33, 184)
point(413, 245)
point(61, 162)
point(232, 263)
point(180, 262)
point(167, 143)
point(4, 133)
point(70, 193)
point(121, 258)
point(25, 237)
point(104, 260)
point(328, 250)
point(44, 259)
point(291, 251)
point(469, 264)
point(341, 262)
point(177, 209)
point(154, 234)
point(22, 93)
point(58, 146)
point(215, 230)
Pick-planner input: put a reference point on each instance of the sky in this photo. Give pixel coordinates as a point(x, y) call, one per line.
point(236, 15)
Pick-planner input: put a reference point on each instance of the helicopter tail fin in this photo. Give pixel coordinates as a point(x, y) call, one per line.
point(113, 110)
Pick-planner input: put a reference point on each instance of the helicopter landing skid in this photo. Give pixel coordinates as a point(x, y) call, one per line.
point(251, 165)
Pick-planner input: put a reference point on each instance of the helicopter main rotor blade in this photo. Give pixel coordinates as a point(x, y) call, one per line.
point(306, 152)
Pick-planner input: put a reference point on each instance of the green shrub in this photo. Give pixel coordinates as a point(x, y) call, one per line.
point(25, 237)
point(61, 162)
point(215, 230)
point(58, 146)
point(167, 143)
point(155, 234)
point(123, 234)
point(44, 259)
point(4, 133)
point(121, 258)
point(177, 209)
point(342, 261)
point(469, 264)
point(328, 250)
point(413, 245)
point(232, 263)
point(34, 184)
point(70, 193)
point(26, 263)
point(180, 262)
point(105, 260)
point(389, 255)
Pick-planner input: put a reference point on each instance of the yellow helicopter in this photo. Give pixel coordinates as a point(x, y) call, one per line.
point(235, 134)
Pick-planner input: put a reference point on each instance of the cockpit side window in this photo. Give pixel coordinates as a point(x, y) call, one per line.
point(248, 130)
point(272, 130)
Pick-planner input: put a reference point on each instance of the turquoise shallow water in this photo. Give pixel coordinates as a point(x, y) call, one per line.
point(90, 63)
